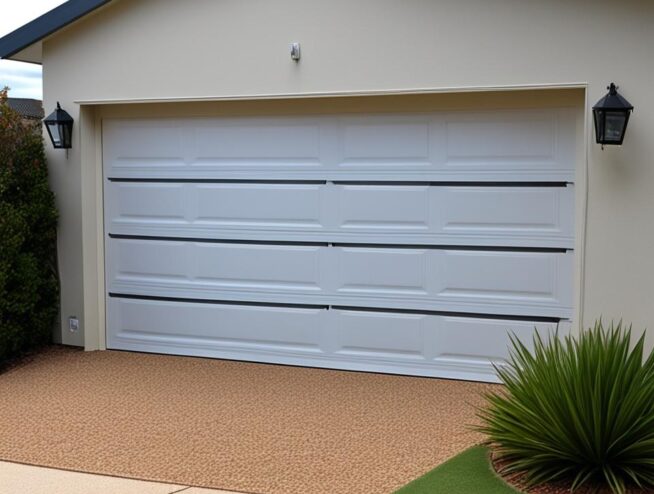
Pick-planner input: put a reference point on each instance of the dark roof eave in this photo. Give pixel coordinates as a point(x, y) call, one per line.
point(47, 24)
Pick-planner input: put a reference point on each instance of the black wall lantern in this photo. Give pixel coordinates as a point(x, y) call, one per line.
point(60, 128)
point(611, 115)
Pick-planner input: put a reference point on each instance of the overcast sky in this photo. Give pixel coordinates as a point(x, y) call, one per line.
point(24, 79)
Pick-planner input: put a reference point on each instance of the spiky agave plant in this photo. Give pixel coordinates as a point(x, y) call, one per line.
point(576, 409)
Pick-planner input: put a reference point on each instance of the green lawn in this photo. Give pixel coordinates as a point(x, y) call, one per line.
point(467, 473)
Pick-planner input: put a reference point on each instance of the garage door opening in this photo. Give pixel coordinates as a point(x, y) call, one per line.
point(400, 243)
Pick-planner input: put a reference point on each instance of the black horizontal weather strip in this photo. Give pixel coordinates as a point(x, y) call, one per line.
point(447, 313)
point(459, 183)
point(215, 302)
point(491, 248)
point(415, 183)
point(218, 241)
point(215, 181)
point(335, 307)
point(483, 248)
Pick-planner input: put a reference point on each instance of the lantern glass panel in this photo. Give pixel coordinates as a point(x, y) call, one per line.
point(55, 134)
point(614, 125)
point(64, 130)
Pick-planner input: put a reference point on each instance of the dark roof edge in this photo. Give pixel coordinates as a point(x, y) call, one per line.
point(47, 24)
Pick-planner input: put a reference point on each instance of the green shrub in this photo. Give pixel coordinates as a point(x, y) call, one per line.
point(579, 410)
point(29, 288)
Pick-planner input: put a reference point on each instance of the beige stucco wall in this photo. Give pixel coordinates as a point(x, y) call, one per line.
point(220, 49)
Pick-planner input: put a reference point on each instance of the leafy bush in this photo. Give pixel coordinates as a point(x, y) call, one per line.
point(29, 288)
point(579, 410)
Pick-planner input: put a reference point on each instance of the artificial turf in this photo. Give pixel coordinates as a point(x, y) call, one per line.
point(467, 473)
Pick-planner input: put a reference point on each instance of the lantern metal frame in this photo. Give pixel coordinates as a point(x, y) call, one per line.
point(59, 125)
point(611, 116)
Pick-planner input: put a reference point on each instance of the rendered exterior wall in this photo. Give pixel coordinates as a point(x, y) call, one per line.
point(220, 49)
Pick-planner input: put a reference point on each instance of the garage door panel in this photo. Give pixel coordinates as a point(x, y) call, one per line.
point(255, 206)
point(535, 216)
point(141, 204)
point(401, 141)
point(518, 141)
point(147, 262)
point(517, 283)
point(255, 142)
point(495, 282)
point(415, 336)
point(191, 269)
point(189, 325)
point(393, 209)
point(527, 141)
point(382, 334)
point(150, 145)
point(432, 146)
point(499, 275)
point(418, 344)
point(538, 213)
point(481, 340)
point(384, 272)
point(261, 267)
point(213, 210)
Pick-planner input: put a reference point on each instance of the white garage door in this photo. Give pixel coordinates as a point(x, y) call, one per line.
point(408, 243)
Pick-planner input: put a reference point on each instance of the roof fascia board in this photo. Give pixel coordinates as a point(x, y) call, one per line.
point(47, 24)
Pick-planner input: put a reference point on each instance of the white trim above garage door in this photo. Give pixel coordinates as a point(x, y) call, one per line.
point(405, 243)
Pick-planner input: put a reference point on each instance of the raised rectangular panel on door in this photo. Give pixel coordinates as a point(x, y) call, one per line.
point(257, 211)
point(483, 339)
point(519, 216)
point(201, 148)
point(389, 212)
point(525, 216)
point(516, 216)
point(382, 335)
point(431, 344)
point(477, 281)
point(469, 344)
point(260, 144)
point(141, 148)
point(387, 143)
point(214, 271)
point(523, 283)
point(536, 145)
point(197, 327)
point(146, 208)
point(261, 207)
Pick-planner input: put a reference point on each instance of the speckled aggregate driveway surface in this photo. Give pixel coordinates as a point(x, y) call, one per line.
point(237, 426)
